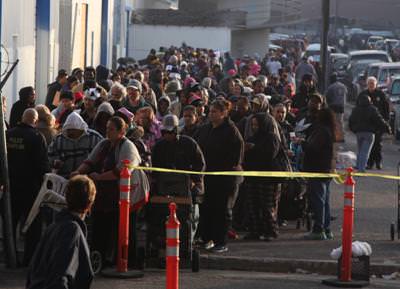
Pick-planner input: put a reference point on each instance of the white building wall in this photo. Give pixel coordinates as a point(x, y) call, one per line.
point(258, 11)
point(18, 26)
point(142, 38)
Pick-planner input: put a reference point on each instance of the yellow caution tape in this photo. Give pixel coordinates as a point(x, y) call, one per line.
point(338, 177)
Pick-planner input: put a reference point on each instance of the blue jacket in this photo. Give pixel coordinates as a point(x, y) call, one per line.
point(62, 259)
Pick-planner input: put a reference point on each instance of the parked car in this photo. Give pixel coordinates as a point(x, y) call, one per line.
point(386, 44)
point(393, 93)
point(339, 62)
point(314, 50)
point(372, 40)
point(376, 55)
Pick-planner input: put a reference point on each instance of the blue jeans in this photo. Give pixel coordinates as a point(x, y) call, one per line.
point(320, 206)
point(365, 141)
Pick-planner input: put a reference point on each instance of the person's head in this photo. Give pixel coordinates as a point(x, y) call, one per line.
point(259, 103)
point(189, 115)
point(45, 115)
point(118, 92)
point(371, 83)
point(72, 81)
point(139, 76)
point(242, 105)
point(30, 117)
point(80, 194)
point(67, 100)
point(308, 80)
point(315, 102)
point(78, 73)
point(218, 111)
point(145, 117)
point(89, 73)
point(258, 86)
point(27, 95)
point(163, 104)
point(116, 129)
point(74, 126)
point(116, 78)
point(134, 90)
point(279, 112)
point(169, 128)
point(62, 76)
point(255, 124)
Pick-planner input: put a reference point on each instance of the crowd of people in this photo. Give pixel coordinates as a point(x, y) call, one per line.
point(191, 109)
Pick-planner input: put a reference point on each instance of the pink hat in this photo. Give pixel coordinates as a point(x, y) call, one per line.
point(188, 81)
point(126, 112)
point(232, 72)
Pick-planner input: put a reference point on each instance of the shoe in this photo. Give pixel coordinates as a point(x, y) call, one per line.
point(233, 235)
point(266, 238)
point(315, 236)
point(207, 245)
point(282, 223)
point(219, 249)
point(368, 167)
point(378, 166)
point(329, 235)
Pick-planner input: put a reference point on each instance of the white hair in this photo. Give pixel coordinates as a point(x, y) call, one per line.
point(372, 79)
point(120, 87)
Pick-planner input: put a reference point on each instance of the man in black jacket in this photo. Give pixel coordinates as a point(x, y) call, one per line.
point(179, 152)
point(55, 87)
point(378, 99)
point(62, 259)
point(27, 98)
point(27, 162)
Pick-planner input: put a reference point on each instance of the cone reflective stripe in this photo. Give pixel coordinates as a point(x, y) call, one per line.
point(123, 230)
point(347, 231)
point(172, 249)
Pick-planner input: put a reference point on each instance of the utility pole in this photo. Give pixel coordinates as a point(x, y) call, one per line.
point(6, 199)
point(324, 43)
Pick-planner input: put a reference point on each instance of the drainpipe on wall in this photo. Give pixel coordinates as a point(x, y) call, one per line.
point(15, 74)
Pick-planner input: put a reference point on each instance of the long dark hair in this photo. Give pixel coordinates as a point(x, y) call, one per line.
point(327, 118)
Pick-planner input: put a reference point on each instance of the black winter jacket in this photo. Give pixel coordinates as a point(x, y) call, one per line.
point(62, 259)
point(222, 147)
point(319, 150)
point(366, 118)
point(378, 99)
point(27, 161)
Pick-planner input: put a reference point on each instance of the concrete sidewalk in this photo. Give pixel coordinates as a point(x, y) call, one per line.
point(291, 253)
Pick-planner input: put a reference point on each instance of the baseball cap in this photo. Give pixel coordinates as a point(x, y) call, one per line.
point(133, 83)
point(92, 93)
point(170, 122)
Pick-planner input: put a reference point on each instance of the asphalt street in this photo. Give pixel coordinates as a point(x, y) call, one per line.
point(210, 279)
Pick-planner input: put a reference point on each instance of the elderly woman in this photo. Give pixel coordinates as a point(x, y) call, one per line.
point(146, 118)
point(103, 166)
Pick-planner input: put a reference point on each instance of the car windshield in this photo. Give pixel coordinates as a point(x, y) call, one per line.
point(396, 87)
point(373, 71)
point(387, 73)
point(377, 57)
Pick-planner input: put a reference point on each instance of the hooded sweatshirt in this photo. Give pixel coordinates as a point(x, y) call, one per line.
point(72, 152)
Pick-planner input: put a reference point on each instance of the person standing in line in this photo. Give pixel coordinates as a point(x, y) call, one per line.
point(27, 163)
point(379, 100)
point(62, 258)
point(365, 121)
point(336, 95)
point(223, 149)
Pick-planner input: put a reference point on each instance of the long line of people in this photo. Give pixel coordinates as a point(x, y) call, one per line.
point(183, 109)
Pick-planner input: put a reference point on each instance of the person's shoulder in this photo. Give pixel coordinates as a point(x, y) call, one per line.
point(92, 132)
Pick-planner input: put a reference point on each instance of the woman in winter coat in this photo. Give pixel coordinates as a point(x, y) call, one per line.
point(223, 147)
point(261, 193)
point(319, 158)
point(365, 120)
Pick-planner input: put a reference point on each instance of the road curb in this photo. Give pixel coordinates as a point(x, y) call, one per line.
point(281, 265)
